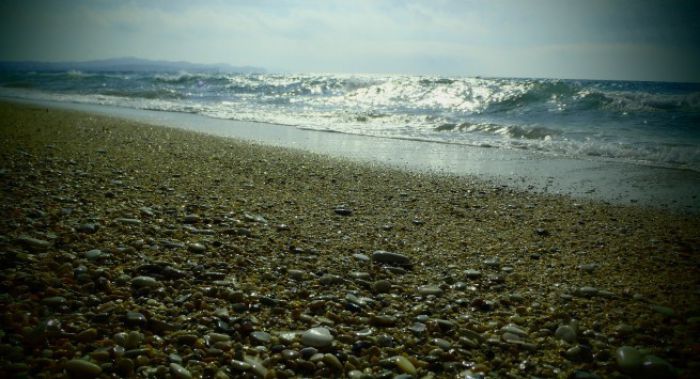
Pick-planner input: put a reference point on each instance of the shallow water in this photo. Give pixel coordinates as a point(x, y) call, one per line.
point(655, 124)
point(594, 179)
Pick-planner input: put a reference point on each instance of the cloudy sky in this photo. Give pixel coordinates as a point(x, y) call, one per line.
point(607, 39)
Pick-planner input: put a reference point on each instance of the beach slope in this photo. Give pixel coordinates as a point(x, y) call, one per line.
point(129, 249)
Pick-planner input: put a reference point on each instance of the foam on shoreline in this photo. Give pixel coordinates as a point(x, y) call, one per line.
point(594, 179)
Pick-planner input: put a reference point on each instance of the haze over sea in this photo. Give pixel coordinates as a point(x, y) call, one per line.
point(647, 123)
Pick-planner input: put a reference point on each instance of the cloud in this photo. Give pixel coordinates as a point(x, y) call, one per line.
point(511, 38)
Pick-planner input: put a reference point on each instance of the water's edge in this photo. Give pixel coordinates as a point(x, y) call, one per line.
point(613, 182)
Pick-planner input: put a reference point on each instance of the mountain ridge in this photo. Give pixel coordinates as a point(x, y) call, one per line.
point(127, 64)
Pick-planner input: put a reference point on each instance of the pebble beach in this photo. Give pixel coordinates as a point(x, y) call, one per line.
point(130, 250)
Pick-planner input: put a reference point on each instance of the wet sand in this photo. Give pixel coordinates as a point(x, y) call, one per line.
point(130, 249)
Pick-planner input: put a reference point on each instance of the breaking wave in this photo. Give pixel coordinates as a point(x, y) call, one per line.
point(656, 123)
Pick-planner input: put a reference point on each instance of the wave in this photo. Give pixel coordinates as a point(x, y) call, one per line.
point(625, 120)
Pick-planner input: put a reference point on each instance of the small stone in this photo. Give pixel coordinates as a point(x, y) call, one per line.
point(146, 211)
point(429, 290)
point(317, 337)
point(332, 361)
point(191, 219)
point(655, 367)
point(361, 257)
point(128, 221)
point(493, 262)
point(87, 335)
point(54, 301)
point(382, 320)
point(381, 286)
point(240, 365)
point(418, 328)
point(629, 359)
point(88, 228)
point(342, 210)
point(381, 256)
point(513, 329)
point(566, 333)
point(586, 291)
point(579, 353)
point(135, 318)
point(404, 365)
point(588, 267)
point(179, 372)
point(664, 311)
point(298, 275)
point(81, 368)
point(33, 244)
point(94, 254)
point(473, 274)
point(255, 218)
point(196, 248)
point(256, 366)
point(260, 338)
point(144, 282)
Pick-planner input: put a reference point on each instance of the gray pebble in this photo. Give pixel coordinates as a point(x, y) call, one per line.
point(81, 368)
point(629, 359)
point(317, 337)
point(381, 256)
point(566, 333)
point(179, 372)
point(261, 338)
point(144, 282)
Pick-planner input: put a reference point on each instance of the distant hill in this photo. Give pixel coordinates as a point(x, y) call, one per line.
point(126, 65)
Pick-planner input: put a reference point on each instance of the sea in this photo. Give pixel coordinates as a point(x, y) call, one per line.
point(644, 123)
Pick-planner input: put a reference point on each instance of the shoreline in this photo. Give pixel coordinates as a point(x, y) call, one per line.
point(131, 249)
point(584, 179)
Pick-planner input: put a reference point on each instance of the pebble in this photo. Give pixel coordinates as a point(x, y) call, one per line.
point(33, 244)
point(128, 221)
point(361, 257)
point(342, 210)
point(429, 290)
point(513, 329)
point(472, 274)
point(317, 337)
point(88, 228)
point(629, 359)
point(240, 365)
point(261, 338)
point(54, 301)
point(382, 320)
point(492, 262)
point(655, 367)
point(144, 282)
point(588, 267)
point(191, 219)
point(566, 333)
point(135, 318)
point(381, 286)
point(579, 353)
point(586, 292)
point(196, 248)
point(297, 274)
point(179, 372)
point(404, 365)
point(664, 311)
point(81, 368)
point(94, 254)
point(146, 211)
point(332, 361)
point(381, 256)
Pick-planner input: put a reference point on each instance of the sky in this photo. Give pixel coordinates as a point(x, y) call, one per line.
point(583, 39)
